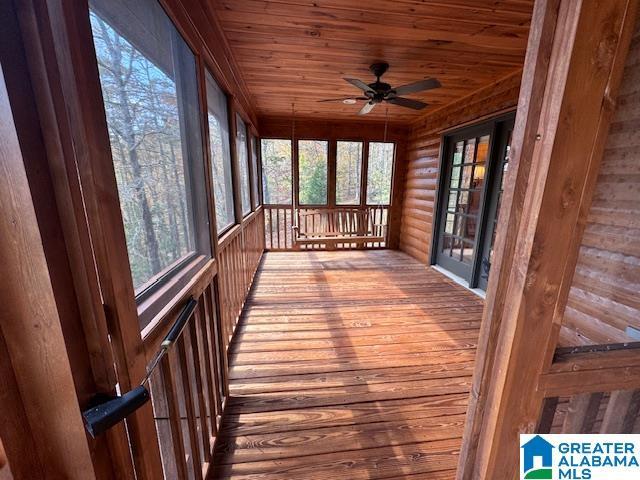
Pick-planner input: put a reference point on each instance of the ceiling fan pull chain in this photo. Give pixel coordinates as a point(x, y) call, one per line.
point(386, 122)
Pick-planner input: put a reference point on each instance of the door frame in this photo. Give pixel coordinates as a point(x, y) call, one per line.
point(492, 125)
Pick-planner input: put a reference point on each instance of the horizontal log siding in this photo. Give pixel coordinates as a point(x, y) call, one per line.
point(604, 298)
point(423, 158)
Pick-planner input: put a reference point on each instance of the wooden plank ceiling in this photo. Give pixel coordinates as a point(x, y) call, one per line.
point(298, 51)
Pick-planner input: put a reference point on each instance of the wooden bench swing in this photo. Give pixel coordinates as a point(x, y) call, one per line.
point(334, 227)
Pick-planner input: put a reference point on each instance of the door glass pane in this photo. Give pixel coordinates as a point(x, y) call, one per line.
point(220, 154)
point(467, 252)
point(254, 171)
point(466, 176)
point(150, 92)
point(348, 172)
point(276, 171)
point(453, 198)
point(312, 171)
point(457, 154)
point(243, 164)
point(379, 173)
point(449, 223)
point(469, 150)
point(455, 177)
point(503, 173)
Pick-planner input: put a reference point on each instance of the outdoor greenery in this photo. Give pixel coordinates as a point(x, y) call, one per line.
point(348, 172)
point(379, 173)
point(151, 103)
point(220, 154)
point(254, 171)
point(312, 171)
point(149, 152)
point(243, 164)
point(276, 171)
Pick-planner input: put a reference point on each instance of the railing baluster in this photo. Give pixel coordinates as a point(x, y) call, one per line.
point(168, 378)
point(209, 345)
point(189, 405)
point(195, 357)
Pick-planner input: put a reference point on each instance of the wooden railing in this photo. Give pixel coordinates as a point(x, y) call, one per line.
point(592, 390)
point(239, 253)
point(283, 225)
point(190, 387)
point(278, 221)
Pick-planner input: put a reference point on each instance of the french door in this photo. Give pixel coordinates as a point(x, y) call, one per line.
point(473, 164)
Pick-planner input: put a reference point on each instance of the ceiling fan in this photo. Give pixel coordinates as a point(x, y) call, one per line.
point(378, 92)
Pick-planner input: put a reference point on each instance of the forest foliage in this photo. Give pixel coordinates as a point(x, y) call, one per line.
point(312, 171)
point(148, 150)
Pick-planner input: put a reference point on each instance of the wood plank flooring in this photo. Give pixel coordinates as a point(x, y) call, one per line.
point(349, 365)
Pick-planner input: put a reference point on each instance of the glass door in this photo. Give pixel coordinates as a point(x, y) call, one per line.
point(505, 131)
point(473, 161)
point(466, 160)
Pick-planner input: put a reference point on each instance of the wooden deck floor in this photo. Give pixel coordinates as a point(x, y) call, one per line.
point(349, 365)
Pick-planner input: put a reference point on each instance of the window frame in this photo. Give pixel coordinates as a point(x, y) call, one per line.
point(205, 107)
point(239, 196)
point(365, 200)
point(254, 171)
point(158, 291)
point(296, 154)
point(292, 165)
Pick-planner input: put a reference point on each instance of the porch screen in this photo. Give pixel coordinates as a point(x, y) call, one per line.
point(218, 120)
point(348, 172)
point(276, 171)
point(150, 93)
point(312, 171)
point(243, 164)
point(379, 173)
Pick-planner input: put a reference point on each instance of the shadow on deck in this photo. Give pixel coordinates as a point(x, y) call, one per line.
point(349, 365)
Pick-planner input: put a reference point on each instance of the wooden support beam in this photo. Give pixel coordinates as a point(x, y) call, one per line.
point(32, 343)
point(622, 412)
point(534, 81)
point(548, 414)
point(582, 413)
point(565, 137)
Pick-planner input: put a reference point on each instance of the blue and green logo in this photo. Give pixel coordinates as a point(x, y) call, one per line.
point(537, 459)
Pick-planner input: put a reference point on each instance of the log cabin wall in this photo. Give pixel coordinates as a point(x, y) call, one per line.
point(423, 158)
point(603, 300)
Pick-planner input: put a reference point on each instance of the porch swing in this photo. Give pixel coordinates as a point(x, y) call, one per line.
point(334, 227)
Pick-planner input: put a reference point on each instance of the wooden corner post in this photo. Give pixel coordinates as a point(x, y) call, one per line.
point(574, 63)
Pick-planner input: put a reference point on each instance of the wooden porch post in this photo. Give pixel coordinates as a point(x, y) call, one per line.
point(41, 425)
point(563, 118)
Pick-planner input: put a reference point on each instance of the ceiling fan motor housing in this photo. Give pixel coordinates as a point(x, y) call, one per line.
point(379, 69)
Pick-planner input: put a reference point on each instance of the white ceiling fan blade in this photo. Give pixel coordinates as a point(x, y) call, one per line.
point(366, 108)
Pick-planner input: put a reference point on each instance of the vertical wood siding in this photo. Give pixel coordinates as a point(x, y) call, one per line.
point(423, 158)
point(604, 298)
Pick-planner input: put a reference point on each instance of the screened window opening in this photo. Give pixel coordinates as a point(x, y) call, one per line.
point(218, 121)
point(276, 171)
point(348, 172)
point(312, 171)
point(254, 172)
point(243, 164)
point(379, 173)
point(149, 88)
